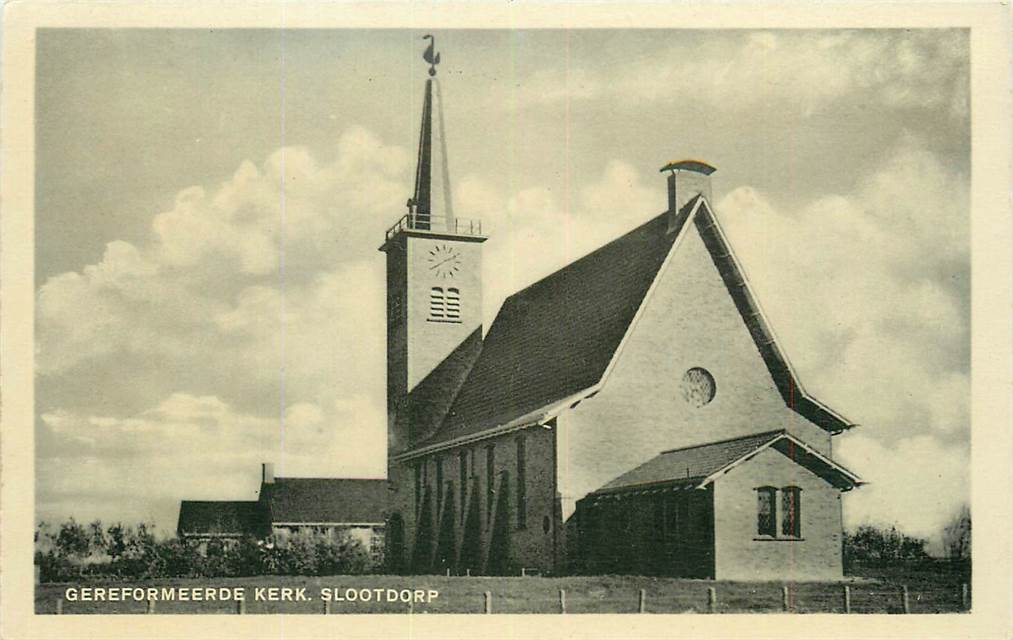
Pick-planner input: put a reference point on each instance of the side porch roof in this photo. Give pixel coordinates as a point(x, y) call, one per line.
point(698, 466)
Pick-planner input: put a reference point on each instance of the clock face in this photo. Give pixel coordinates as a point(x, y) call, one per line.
point(444, 261)
point(698, 387)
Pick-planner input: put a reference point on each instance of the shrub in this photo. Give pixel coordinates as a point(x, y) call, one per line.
point(872, 546)
point(76, 552)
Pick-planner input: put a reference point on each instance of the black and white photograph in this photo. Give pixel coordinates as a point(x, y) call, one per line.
point(504, 320)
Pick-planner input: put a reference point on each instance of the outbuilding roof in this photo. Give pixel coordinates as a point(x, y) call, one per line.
point(700, 465)
point(221, 518)
point(325, 500)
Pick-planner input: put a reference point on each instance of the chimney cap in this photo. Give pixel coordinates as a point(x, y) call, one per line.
point(689, 165)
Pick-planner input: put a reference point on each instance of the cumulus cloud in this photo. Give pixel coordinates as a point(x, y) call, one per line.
point(804, 71)
point(253, 317)
point(199, 447)
point(868, 291)
point(916, 484)
point(537, 231)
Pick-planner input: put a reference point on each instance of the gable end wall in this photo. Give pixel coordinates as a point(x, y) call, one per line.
point(689, 320)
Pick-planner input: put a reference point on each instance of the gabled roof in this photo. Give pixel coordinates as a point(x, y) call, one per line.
point(221, 517)
point(557, 336)
point(555, 339)
point(325, 500)
point(700, 465)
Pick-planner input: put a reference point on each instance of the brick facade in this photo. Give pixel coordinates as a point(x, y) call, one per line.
point(741, 554)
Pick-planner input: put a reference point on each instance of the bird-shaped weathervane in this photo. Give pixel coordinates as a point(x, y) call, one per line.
point(430, 54)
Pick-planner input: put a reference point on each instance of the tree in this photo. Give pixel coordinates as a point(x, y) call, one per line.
point(957, 535)
point(881, 547)
point(97, 537)
point(73, 540)
point(116, 540)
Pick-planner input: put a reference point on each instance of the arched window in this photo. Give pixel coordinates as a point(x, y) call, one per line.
point(766, 516)
point(791, 512)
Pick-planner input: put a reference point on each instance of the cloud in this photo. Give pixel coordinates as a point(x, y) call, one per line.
point(802, 71)
point(536, 231)
point(919, 496)
point(868, 291)
point(198, 447)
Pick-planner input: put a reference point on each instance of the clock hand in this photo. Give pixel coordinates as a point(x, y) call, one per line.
point(443, 262)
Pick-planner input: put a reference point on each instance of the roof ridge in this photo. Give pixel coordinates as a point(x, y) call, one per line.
point(727, 440)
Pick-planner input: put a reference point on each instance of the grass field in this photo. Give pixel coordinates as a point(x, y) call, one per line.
point(929, 591)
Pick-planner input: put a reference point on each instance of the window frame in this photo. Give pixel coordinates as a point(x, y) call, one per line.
point(791, 517)
point(768, 529)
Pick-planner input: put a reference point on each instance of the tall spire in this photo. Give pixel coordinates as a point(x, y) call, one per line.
point(428, 214)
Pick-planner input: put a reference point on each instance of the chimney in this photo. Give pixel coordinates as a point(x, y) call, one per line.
point(686, 180)
point(267, 473)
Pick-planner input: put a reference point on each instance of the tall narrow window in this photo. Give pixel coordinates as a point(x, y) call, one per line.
point(437, 304)
point(490, 480)
point(439, 483)
point(418, 485)
point(453, 304)
point(522, 485)
point(462, 464)
point(791, 512)
point(765, 511)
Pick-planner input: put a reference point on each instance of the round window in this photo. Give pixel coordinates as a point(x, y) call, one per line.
point(698, 387)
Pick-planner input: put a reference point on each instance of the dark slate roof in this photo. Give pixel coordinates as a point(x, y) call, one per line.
point(221, 517)
point(693, 465)
point(326, 500)
point(556, 337)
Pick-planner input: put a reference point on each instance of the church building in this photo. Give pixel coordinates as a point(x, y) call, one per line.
point(629, 413)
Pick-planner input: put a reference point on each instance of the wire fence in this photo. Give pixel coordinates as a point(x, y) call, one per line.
point(571, 596)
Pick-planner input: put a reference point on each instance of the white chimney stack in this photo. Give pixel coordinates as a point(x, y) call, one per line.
point(688, 179)
point(267, 473)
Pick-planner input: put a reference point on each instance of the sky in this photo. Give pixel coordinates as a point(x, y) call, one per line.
point(209, 205)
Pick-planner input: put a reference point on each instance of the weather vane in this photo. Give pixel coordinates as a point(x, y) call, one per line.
point(430, 54)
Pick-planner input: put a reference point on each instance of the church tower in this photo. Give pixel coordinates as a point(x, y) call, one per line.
point(434, 287)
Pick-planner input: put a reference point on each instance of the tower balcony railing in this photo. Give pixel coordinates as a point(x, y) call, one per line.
point(436, 224)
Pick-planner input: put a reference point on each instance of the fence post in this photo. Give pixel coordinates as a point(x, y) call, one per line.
point(467, 572)
point(488, 602)
point(906, 599)
point(965, 601)
point(712, 599)
point(642, 607)
point(240, 607)
point(562, 600)
point(59, 606)
point(150, 607)
point(847, 599)
point(327, 607)
point(448, 572)
point(785, 605)
point(523, 573)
